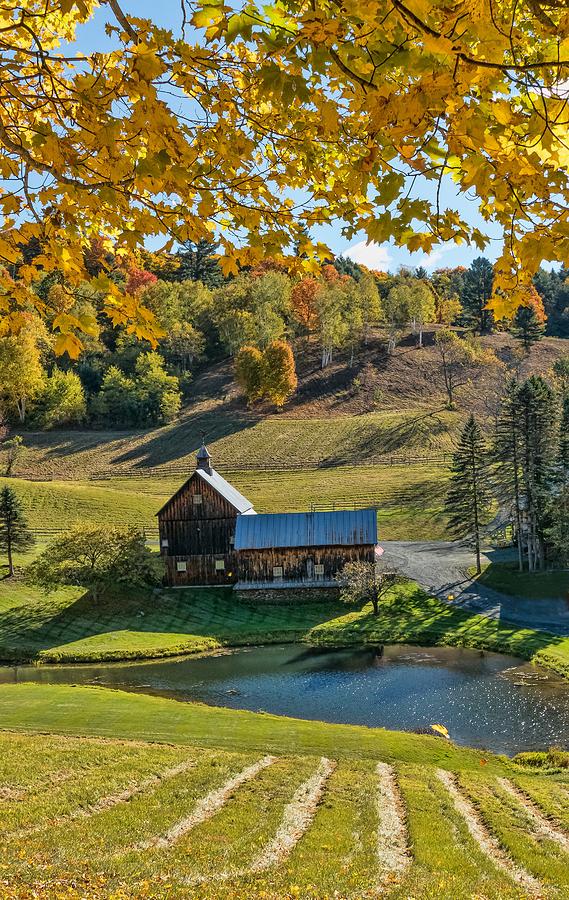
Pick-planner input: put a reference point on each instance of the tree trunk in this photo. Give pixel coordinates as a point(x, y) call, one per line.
point(9, 551)
point(476, 511)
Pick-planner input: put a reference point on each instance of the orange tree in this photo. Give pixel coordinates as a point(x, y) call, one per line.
point(270, 120)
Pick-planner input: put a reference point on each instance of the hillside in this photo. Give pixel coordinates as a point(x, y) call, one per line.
point(382, 407)
point(229, 804)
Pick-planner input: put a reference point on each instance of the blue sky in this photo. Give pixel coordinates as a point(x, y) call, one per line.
point(92, 37)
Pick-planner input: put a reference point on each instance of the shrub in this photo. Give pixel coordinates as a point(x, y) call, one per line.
point(249, 372)
point(62, 401)
point(279, 372)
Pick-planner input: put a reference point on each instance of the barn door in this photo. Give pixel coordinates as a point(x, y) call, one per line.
point(310, 569)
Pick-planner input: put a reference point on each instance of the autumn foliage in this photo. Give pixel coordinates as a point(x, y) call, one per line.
point(249, 372)
point(279, 372)
point(351, 104)
point(304, 302)
point(271, 374)
point(138, 280)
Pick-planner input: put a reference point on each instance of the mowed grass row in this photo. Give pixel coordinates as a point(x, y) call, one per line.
point(240, 438)
point(409, 498)
point(142, 820)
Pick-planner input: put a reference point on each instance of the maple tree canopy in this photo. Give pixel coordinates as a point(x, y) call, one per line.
point(253, 122)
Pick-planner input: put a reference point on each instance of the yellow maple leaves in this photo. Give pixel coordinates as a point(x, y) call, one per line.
point(273, 119)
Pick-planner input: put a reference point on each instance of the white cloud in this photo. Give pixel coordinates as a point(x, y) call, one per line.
point(430, 260)
point(374, 256)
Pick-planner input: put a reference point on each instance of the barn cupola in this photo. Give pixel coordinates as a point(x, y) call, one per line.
point(204, 459)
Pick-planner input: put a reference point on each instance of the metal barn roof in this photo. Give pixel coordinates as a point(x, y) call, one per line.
point(343, 528)
point(231, 494)
point(219, 484)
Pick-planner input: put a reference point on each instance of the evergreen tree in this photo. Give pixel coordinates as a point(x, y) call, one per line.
point(529, 435)
point(527, 328)
point(468, 500)
point(558, 530)
point(14, 531)
point(563, 455)
point(346, 266)
point(508, 473)
point(197, 262)
point(475, 294)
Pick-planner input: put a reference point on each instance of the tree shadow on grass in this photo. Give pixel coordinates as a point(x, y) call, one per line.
point(178, 441)
point(417, 618)
point(405, 437)
point(215, 613)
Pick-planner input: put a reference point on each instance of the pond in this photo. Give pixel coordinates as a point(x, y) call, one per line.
point(485, 700)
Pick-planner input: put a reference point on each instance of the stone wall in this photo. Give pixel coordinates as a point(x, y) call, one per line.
point(288, 596)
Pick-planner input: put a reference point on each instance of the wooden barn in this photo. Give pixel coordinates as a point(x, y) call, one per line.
point(288, 550)
point(197, 528)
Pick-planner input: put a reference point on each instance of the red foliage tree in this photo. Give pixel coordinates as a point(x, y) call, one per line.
point(138, 280)
point(303, 298)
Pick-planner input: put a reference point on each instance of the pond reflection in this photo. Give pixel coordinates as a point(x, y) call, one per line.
point(484, 699)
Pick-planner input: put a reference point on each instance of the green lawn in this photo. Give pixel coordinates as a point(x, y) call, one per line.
point(111, 815)
point(506, 578)
point(69, 627)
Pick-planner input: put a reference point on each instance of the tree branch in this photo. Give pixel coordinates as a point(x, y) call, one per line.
point(122, 19)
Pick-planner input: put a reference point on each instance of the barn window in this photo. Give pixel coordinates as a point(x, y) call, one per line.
point(319, 569)
point(164, 542)
point(181, 566)
point(277, 572)
point(220, 565)
point(197, 498)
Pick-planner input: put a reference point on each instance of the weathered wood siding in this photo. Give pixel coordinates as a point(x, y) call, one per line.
point(198, 534)
point(298, 563)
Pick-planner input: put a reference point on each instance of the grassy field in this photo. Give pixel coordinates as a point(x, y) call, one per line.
point(507, 578)
point(409, 498)
point(69, 627)
point(236, 438)
point(229, 804)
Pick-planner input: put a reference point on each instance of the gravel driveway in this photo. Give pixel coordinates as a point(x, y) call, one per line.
point(441, 567)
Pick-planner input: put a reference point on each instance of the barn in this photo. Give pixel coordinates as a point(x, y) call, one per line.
point(211, 535)
point(286, 550)
point(197, 528)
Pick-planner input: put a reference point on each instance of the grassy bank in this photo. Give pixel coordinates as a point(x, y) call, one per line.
point(506, 578)
point(69, 627)
point(203, 813)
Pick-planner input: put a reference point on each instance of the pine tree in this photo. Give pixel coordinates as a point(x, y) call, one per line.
point(527, 328)
point(14, 531)
point(563, 455)
point(468, 500)
point(197, 262)
point(558, 526)
point(476, 292)
point(508, 473)
point(536, 415)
